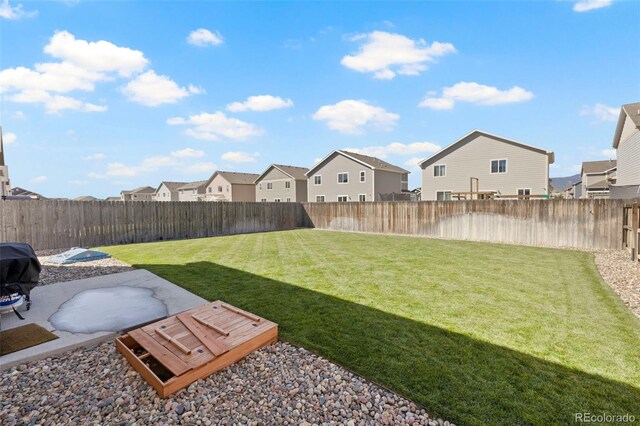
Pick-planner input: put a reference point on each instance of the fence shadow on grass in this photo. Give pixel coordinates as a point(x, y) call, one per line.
point(451, 375)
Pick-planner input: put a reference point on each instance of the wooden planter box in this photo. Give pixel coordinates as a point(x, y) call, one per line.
point(173, 353)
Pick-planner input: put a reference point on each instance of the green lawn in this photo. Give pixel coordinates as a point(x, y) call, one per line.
point(476, 333)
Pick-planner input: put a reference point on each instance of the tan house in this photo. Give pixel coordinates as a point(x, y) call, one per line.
point(143, 193)
point(626, 141)
point(231, 186)
point(168, 191)
point(5, 183)
point(193, 191)
point(597, 177)
point(348, 176)
point(113, 199)
point(86, 198)
point(282, 183)
point(494, 165)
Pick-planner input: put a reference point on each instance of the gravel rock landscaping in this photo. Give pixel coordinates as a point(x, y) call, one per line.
point(280, 384)
point(622, 274)
point(53, 273)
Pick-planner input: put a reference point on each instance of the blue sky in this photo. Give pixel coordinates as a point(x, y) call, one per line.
point(103, 96)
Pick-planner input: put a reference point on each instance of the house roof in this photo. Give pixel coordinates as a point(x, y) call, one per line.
point(452, 146)
point(85, 198)
point(629, 110)
point(172, 186)
point(598, 166)
point(16, 190)
point(143, 190)
point(112, 199)
point(294, 172)
point(371, 162)
point(236, 178)
point(194, 185)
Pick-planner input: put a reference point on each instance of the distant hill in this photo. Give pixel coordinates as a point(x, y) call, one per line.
point(560, 183)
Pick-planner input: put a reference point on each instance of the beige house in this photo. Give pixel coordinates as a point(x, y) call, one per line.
point(5, 184)
point(494, 165)
point(282, 183)
point(86, 198)
point(168, 191)
point(626, 141)
point(143, 193)
point(193, 191)
point(347, 176)
point(597, 177)
point(231, 186)
point(113, 199)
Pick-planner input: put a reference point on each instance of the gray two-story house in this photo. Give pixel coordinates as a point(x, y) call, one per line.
point(142, 193)
point(483, 165)
point(348, 176)
point(280, 183)
point(626, 141)
point(168, 191)
point(192, 191)
point(231, 186)
point(597, 178)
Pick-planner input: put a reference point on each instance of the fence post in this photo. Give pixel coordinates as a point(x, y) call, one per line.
point(635, 236)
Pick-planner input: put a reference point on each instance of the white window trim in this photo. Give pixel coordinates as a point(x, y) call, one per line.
point(314, 180)
point(277, 200)
point(444, 190)
point(287, 184)
point(523, 189)
point(324, 199)
point(269, 186)
point(506, 166)
point(340, 196)
point(338, 178)
point(288, 199)
point(445, 170)
point(363, 176)
point(263, 200)
point(365, 198)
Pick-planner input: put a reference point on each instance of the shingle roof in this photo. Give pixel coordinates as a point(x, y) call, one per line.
point(85, 198)
point(598, 166)
point(297, 173)
point(194, 185)
point(16, 190)
point(143, 190)
point(373, 162)
point(239, 178)
point(172, 186)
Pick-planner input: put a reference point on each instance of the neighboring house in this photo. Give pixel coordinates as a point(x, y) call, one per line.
point(496, 166)
point(282, 183)
point(25, 193)
point(626, 141)
point(168, 191)
point(143, 193)
point(193, 191)
point(597, 176)
point(113, 199)
point(347, 176)
point(231, 186)
point(576, 190)
point(5, 183)
point(86, 198)
point(416, 194)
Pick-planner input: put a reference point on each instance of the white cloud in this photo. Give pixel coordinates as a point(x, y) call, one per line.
point(203, 37)
point(152, 90)
point(587, 5)
point(188, 153)
point(55, 103)
point(39, 179)
point(78, 182)
point(212, 126)
point(387, 54)
point(475, 93)
point(94, 175)
point(15, 12)
point(260, 103)
point(95, 157)
point(413, 163)
point(609, 153)
point(240, 157)
point(200, 168)
point(350, 116)
point(19, 115)
point(58, 77)
point(196, 90)
point(101, 56)
point(9, 138)
point(601, 112)
point(397, 148)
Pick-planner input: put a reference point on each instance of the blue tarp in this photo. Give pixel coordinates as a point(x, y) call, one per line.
point(77, 254)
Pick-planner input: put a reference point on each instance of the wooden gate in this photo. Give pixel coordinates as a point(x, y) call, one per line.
point(631, 230)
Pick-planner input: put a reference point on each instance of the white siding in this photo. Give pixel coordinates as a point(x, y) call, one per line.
point(629, 160)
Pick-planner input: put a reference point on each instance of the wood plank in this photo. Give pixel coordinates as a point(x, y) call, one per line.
point(200, 332)
point(159, 352)
point(173, 341)
point(240, 311)
point(211, 326)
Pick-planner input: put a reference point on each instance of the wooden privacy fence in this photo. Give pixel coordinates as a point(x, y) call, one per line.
point(631, 230)
point(48, 224)
point(588, 224)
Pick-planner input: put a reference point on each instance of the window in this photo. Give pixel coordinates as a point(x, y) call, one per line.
point(277, 200)
point(343, 177)
point(443, 195)
point(498, 166)
point(319, 198)
point(219, 188)
point(362, 197)
point(209, 189)
point(193, 191)
point(260, 186)
point(269, 185)
point(287, 184)
point(524, 191)
point(317, 180)
point(363, 175)
point(439, 170)
point(227, 188)
point(288, 199)
point(343, 198)
point(264, 200)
